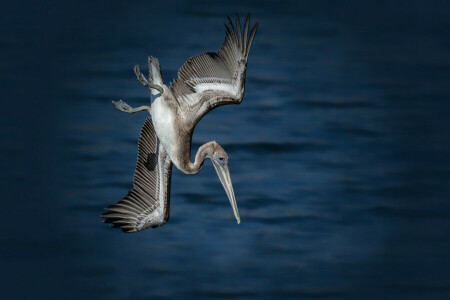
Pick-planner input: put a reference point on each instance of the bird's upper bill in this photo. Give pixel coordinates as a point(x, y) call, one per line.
point(224, 175)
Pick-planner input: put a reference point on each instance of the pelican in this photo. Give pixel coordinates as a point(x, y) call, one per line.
point(205, 81)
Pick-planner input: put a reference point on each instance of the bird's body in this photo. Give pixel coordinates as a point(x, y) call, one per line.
point(166, 122)
point(204, 82)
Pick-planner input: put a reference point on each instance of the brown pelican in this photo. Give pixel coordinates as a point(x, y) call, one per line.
point(204, 82)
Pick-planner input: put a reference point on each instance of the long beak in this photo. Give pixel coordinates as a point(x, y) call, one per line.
point(224, 175)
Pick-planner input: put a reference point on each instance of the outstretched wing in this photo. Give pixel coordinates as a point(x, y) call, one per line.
point(209, 80)
point(147, 204)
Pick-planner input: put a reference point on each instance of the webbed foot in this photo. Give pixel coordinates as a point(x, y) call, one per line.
point(123, 106)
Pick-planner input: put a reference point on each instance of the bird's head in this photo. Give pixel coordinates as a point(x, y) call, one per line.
point(219, 159)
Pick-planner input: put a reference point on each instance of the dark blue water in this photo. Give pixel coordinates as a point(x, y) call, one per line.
point(339, 153)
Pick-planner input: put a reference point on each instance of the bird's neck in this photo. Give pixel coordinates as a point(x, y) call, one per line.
point(205, 151)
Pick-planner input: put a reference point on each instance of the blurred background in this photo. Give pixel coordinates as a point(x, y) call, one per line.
point(339, 152)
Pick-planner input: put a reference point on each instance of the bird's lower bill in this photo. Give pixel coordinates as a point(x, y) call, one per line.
point(224, 175)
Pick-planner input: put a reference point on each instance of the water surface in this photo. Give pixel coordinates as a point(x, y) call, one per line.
point(338, 153)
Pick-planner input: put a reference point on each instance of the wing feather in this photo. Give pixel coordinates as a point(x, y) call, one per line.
point(147, 204)
point(212, 79)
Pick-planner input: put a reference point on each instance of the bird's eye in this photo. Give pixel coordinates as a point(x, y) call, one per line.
point(221, 158)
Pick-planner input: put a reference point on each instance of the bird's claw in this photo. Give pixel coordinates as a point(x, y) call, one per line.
point(122, 106)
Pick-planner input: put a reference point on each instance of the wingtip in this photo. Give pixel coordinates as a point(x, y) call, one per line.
point(227, 28)
point(231, 25)
point(251, 37)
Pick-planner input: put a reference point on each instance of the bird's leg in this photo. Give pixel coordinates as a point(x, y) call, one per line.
point(140, 76)
point(123, 106)
point(144, 81)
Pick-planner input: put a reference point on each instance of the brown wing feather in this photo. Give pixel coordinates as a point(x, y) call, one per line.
point(227, 67)
point(145, 205)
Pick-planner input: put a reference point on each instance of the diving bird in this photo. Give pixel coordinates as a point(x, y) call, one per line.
point(204, 82)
